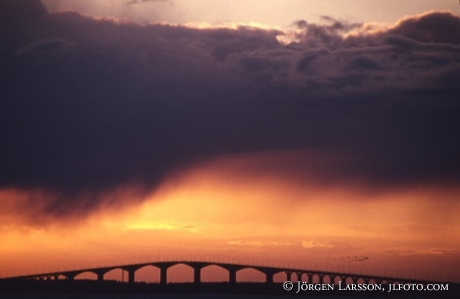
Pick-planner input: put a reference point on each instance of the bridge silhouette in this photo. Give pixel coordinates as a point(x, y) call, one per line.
point(304, 275)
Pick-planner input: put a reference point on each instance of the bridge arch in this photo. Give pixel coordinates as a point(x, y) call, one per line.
point(317, 278)
point(336, 280)
point(251, 274)
point(58, 277)
point(283, 276)
point(180, 272)
point(349, 280)
point(328, 278)
point(87, 274)
point(216, 273)
point(114, 274)
point(145, 273)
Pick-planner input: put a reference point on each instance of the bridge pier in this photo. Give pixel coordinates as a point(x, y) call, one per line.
point(163, 275)
point(310, 277)
point(321, 278)
point(232, 276)
point(269, 277)
point(196, 274)
point(131, 276)
point(100, 276)
point(70, 277)
point(164, 272)
point(299, 276)
point(288, 275)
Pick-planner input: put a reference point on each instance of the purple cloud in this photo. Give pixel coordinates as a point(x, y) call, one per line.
point(88, 105)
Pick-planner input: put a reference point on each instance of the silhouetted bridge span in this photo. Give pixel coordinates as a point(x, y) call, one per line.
point(304, 275)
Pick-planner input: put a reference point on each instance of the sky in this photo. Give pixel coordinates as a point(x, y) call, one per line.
point(310, 134)
point(279, 13)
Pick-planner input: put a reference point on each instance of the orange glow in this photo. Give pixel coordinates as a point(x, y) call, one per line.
point(255, 216)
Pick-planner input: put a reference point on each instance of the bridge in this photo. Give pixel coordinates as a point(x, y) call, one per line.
point(304, 275)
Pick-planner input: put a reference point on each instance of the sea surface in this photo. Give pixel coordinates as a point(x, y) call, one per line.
point(155, 296)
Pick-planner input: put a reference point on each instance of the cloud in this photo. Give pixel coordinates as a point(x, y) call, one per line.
point(48, 45)
point(102, 104)
point(313, 244)
point(355, 258)
point(258, 243)
point(15, 19)
point(407, 251)
point(336, 245)
point(430, 28)
point(131, 2)
point(20, 12)
point(147, 227)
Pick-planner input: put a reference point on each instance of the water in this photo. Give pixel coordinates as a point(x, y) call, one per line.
point(154, 296)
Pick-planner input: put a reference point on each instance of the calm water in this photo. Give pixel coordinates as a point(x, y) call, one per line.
point(150, 296)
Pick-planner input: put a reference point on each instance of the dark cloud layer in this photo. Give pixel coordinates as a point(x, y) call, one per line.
point(131, 2)
point(16, 17)
point(88, 105)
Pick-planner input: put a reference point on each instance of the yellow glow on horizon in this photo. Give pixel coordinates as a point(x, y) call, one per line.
point(208, 209)
point(209, 201)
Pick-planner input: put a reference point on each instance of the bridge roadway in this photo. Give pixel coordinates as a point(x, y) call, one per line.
point(304, 275)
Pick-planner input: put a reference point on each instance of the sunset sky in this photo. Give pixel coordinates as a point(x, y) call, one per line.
point(319, 134)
